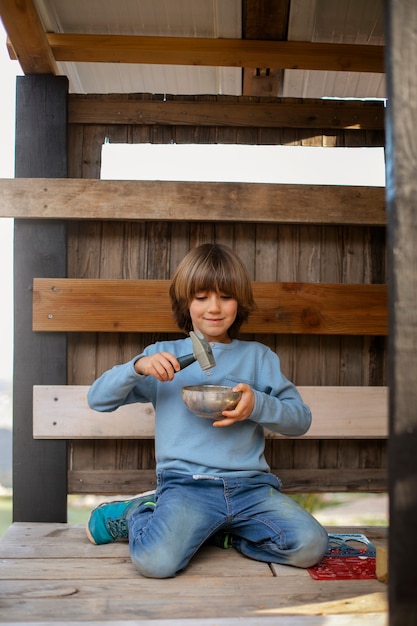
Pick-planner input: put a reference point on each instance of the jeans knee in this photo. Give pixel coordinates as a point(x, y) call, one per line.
point(151, 566)
point(315, 546)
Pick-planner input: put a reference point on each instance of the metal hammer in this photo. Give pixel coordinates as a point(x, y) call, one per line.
point(202, 353)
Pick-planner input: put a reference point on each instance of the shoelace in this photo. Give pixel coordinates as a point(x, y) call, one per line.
point(117, 528)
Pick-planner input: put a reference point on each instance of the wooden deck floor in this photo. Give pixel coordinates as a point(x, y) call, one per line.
point(50, 573)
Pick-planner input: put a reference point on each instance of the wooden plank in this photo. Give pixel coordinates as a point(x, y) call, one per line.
point(382, 561)
point(39, 468)
point(184, 598)
point(105, 305)
point(40, 533)
point(283, 112)
point(25, 30)
point(61, 412)
point(131, 481)
point(376, 619)
point(228, 583)
point(267, 20)
point(402, 229)
point(337, 57)
point(26, 541)
point(217, 585)
point(93, 564)
point(190, 201)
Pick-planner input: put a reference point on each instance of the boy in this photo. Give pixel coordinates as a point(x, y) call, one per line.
point(213, 481)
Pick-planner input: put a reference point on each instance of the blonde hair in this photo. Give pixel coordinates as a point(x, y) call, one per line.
point(211, 267)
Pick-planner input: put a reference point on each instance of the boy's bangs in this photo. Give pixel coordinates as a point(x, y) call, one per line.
point(209, 282)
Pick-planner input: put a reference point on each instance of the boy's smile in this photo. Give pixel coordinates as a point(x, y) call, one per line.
point(213, 313)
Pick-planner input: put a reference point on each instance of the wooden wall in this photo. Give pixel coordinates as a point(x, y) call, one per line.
point(151, 250)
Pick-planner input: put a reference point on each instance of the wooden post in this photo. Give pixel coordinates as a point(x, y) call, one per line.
point(401, 59)
point(39, 467)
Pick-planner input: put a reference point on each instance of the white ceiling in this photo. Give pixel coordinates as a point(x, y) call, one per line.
point(337, 21)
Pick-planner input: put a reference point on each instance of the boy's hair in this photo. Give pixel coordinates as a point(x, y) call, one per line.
point(211, 267)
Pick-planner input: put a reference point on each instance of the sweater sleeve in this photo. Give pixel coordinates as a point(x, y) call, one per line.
point(120, 385)
point(279, 406)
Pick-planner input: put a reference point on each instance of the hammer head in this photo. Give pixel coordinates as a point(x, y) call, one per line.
point(202, 350)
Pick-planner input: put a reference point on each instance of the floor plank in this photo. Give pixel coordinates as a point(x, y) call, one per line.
point(207, 561)
point(370, 619)
point(50, 570)
point(178, 598)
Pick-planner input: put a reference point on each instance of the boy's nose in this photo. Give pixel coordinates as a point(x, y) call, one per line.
point(214, 303)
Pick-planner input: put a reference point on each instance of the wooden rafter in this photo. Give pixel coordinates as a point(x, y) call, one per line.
point(266, 20)
point(27, 37)
point(38, 51)
point(216, 52)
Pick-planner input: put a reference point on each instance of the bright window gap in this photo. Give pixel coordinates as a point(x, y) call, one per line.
point(244, 163)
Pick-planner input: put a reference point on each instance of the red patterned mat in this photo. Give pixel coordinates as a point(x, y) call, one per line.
point(350, 557)
point(344, 568)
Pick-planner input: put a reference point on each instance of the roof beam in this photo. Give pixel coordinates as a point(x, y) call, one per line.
point(38, 51)
point(283, 113)
point(267, 20)
point(27, 36)
point(216, 52)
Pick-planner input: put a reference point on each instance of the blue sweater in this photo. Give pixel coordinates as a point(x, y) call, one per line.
point(189, 444)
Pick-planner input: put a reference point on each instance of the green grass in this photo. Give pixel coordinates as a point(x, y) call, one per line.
point(5, 513)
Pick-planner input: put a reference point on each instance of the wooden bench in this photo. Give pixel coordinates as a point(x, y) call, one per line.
point(342, 413)
point(61, 412)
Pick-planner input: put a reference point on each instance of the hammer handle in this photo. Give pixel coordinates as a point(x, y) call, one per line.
point(186, 360)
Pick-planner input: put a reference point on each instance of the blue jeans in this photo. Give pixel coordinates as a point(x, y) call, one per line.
point(265, 524)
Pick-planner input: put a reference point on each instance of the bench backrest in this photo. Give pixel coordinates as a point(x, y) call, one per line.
point(352, 416)
point(62, 412)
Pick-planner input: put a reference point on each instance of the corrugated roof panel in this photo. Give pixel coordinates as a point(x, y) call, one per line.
point(187, 18)
point(317, 84)
point(155, 79)
point(344, 21)
point(182, 18)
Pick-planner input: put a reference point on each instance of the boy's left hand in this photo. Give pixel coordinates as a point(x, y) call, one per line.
point(243, 409)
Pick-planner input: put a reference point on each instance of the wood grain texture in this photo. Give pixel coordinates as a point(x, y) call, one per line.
point(111, 305)
point(28, 39)
point(280, 244)
point(80, 199)
point(216, 52)
point(62, 412)
point(55, 571)
point(305, 480)
point(242, 112)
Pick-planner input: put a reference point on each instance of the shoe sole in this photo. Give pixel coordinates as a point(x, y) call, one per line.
point(87, 530)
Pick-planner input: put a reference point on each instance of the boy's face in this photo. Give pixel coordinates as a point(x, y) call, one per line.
point(212, 314)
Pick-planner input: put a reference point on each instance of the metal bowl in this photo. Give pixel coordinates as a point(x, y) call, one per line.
point(210, 400)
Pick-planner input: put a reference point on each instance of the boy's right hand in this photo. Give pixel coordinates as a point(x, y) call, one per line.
point(161, 365)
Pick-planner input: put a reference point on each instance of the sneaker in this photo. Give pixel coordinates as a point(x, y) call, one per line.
point(108, 521)
point(221, 539)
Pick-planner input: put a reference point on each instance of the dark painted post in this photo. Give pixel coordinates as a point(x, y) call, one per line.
point(39, 467)
point(401, 155)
